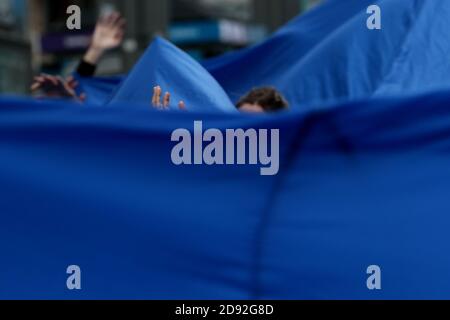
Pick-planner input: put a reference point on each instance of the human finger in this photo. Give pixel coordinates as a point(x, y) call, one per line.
point(51, 79)
point(158, 96)
point(154, 97)
point(35, 86)
point(166, 100)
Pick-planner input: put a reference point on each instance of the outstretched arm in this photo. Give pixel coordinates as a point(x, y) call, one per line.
point(109, 34)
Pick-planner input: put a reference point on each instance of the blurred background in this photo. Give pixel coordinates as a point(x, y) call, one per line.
point(34, 37)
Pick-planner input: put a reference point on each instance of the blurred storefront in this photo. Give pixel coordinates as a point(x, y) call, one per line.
point(204, 28)
point(15, 54)
point(34, 37)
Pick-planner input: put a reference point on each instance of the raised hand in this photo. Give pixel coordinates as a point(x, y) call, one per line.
point(109, 34)
point(56, 87)
point(156, 100)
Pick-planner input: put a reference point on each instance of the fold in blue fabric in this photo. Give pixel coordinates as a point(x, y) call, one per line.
point(363, 179)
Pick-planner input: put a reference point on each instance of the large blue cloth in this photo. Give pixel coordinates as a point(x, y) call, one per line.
point(329, 54)
point(364, 184)
point(363, 179)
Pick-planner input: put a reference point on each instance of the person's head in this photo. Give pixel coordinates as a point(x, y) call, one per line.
point(264, 99)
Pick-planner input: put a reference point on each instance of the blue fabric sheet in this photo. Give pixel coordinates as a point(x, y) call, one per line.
point(363, 184)
point(330, 55)
point(363, 180)
point(98, 90)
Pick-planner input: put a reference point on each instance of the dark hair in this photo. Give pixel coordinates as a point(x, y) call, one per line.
point(267, 97)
